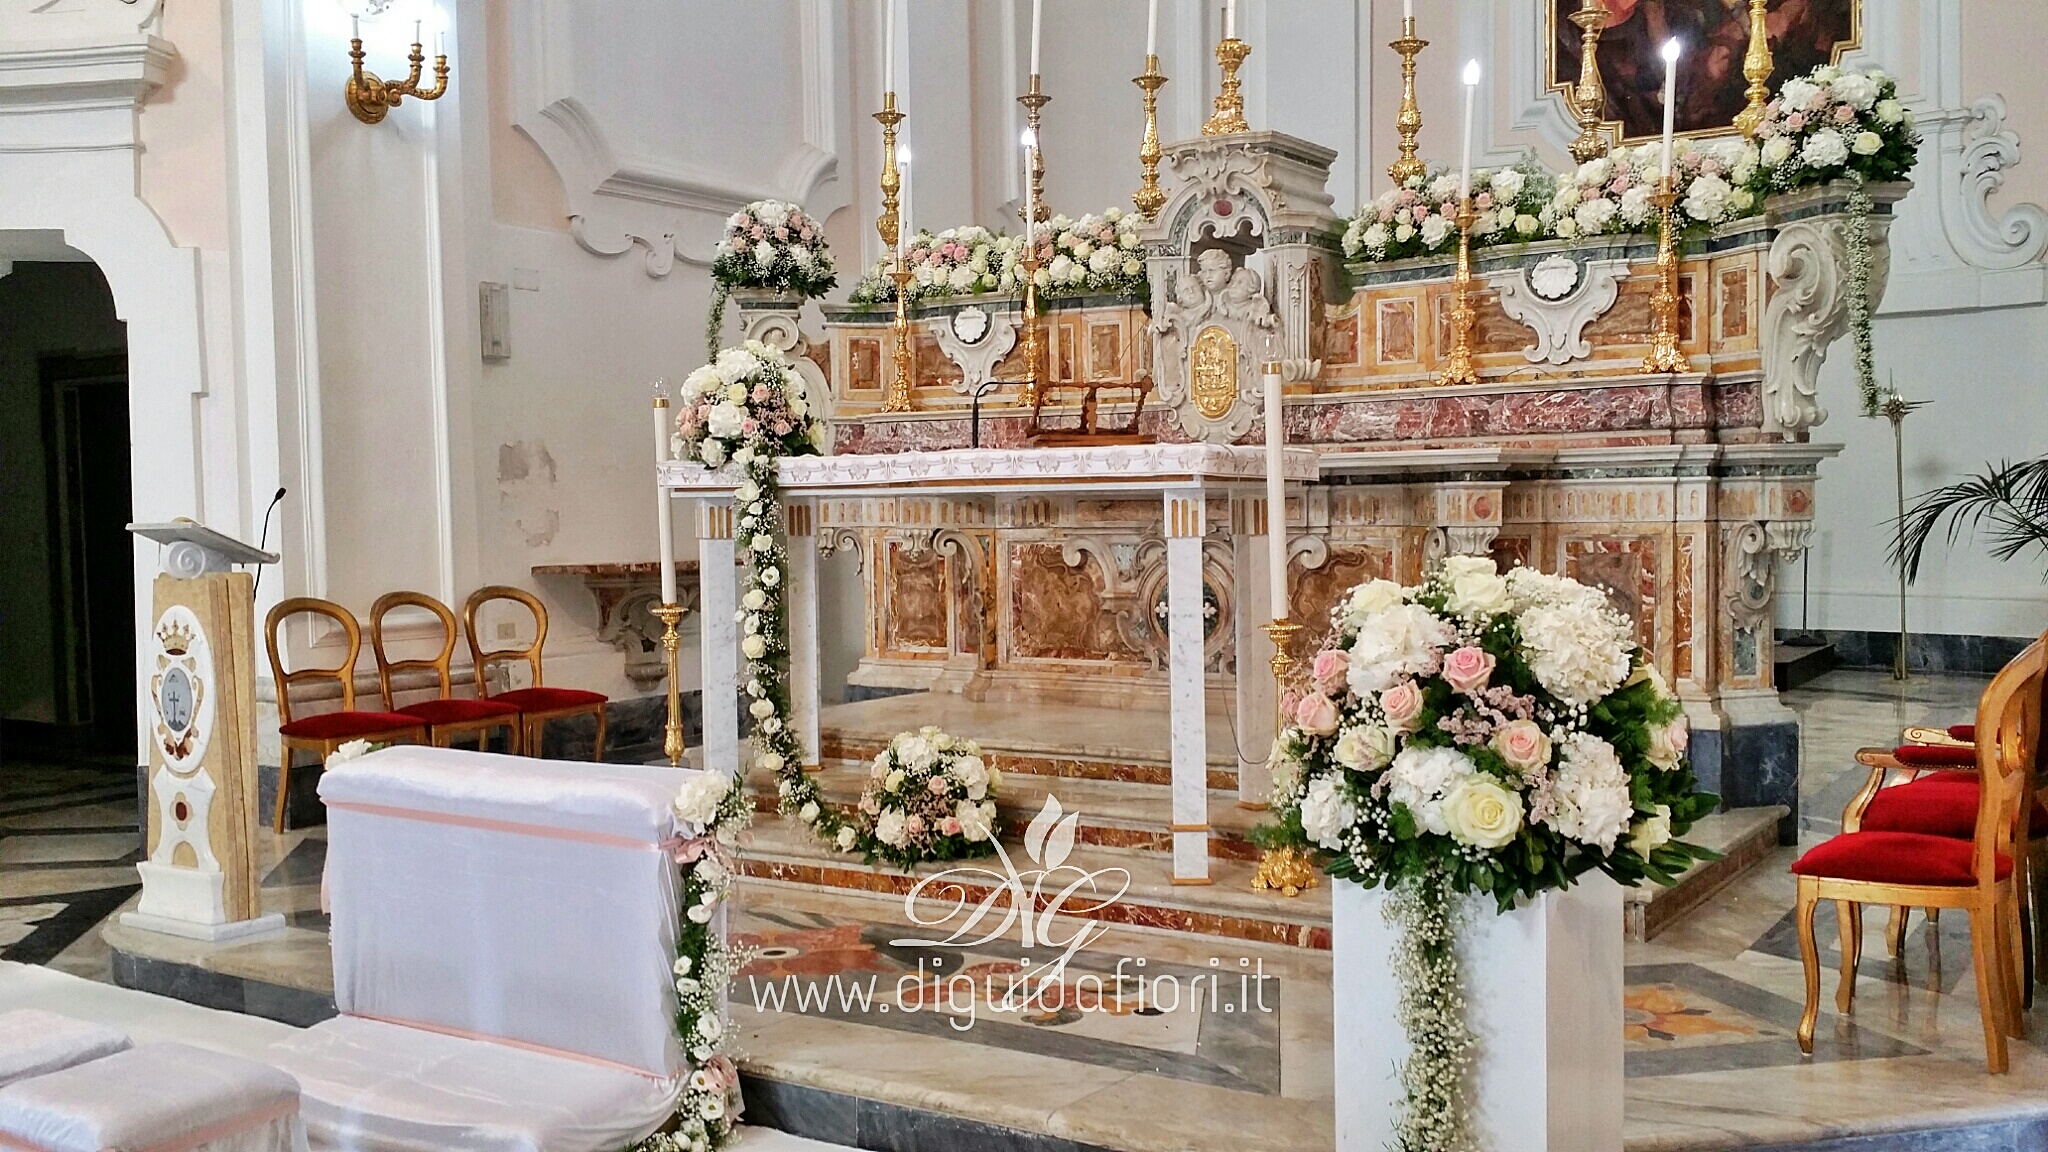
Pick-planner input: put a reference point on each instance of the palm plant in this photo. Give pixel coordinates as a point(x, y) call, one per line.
point(2010, 502)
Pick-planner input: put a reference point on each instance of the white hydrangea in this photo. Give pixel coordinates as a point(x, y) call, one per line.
point(1326, 812)
point(1436, 230)
point(698, 799)
point(1591, 791)
point(1708, 198)
point(972, 774)
point(1404, 640)
point(1856, 90)
point(1578, 650)
point(1825, 149)
point(1595, 214)
point(976, 820)
point(1419, 779)
point(1507, 184)
point(1797, 93)
point(890, 829)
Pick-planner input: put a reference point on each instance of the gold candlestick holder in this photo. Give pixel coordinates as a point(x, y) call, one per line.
point(1588, 98)
point(1458, 368)
point(892, 178)
point(1288, 871)
point(670, 616)
point(1756, 68)
point(1229, 114)
point(1664, 354)
point(1034, 102)
point(1895, 409)
point(899, 386)
point(1034, 348)
point(1149, 198)
point(1409, 122)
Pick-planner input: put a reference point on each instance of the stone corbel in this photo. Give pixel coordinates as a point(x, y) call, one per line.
point(1468, 519)
point(1789, 539)
point(1750, 575)
point(975, 340)
point(1808, 310)
point(832, 541)
point(2020, 235)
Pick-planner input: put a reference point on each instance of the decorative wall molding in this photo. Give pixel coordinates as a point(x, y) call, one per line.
point(1560, 322)
point(622, 197)
point(77, 20)
point(2020, 235)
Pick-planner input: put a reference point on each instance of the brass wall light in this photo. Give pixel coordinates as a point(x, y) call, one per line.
point(369, 97)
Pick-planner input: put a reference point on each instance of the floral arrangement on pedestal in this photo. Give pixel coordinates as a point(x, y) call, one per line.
point(1419, 217)
point(1836, 124)
point(1094, 255)
point(928, 797)
point(1484, 735)
point(772, 246)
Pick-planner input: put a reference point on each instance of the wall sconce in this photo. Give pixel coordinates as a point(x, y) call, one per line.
point(369, 97)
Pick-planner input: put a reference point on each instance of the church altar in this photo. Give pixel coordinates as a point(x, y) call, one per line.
point(991, 519)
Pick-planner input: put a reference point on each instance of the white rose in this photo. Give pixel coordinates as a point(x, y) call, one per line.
point(762, 709)
point(710, 1027)
point(1776, 151)
point(1370, 599)
point(747, 492)
point(352, 750)
point(893, 781)
point(1364, 748)
point(1825, 149)
point(753, 647)
point(698, 799)
point(1890, 111)
point(1567, 228)
point(1867, 144)
point(754, 600)
point(1482, 814)
point(846, 838)
point(1507, 184)
point(1326, 812)
point(1403, 233)
point(1476, 587)
point(1652, 832)
point(808, 813)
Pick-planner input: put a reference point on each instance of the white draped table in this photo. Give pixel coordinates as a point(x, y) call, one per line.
point(1182, 476)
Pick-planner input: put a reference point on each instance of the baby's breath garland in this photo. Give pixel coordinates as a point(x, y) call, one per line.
point(1433, 1108)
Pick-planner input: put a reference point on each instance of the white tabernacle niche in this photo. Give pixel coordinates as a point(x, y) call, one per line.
point(1543, 988)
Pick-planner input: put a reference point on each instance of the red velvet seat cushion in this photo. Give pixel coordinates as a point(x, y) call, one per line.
point(1896, 858)
point(1943, 804)
point(1935, 755)
point(460, 711)
point(1963, 732)
point(347, 725)
point(549, 699)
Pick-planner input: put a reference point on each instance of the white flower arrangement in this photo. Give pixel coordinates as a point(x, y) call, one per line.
point(929, 796)
point(1478, 734)
point(750, 396)
point(1418, 218)
point(1094, 255)
point(768, 244)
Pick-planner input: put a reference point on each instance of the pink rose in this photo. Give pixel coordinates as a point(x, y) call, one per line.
point(1483, 201)
point(723, 1075)
point(1403, 705)
point(760, 393)
point(1289, 701)
point(1317, 714)
point(1845, 114)
point(914, 825)
point(1522, 744)
point(949, 826)
point(1332, 665)
point(1795, 121)
point(936, 785)
point(870, 805)
point(1468, 669)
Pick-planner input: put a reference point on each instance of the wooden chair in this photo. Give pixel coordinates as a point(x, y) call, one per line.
point(446, 718)
point(1918, 870)
point(323, 733)
point(537, 704)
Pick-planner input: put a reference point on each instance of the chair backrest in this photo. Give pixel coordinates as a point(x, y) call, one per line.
point(531, 654)
point(346, 673)
point(385, 665)
point(2008, 738)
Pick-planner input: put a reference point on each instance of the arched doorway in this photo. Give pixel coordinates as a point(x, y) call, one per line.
point(67, 634)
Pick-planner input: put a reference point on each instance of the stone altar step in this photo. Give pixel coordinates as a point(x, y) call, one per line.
point(1743, 837)
point(1074, 741)
point(778, 851)
point(1114, 813)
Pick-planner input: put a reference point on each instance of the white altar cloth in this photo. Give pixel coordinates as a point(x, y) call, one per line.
point(503, 932)
point(159, 1097)
point(36, 1043)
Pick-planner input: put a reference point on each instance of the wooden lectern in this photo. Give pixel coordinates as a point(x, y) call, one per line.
point(200, 878)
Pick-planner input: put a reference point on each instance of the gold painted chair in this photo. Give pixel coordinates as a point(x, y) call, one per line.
point(537, 703)
point(446, 717)
point(1919, 870)
point(323, 733)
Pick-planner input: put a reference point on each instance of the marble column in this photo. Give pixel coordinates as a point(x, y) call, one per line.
point(1186, 514)
point(800, 589)
point(719, 588)
point(1256, 706)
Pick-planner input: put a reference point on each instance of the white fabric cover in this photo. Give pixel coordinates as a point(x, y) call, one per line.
point(34, 1043)
point(374, 1087)
point(560, 943)
point(159, 1097)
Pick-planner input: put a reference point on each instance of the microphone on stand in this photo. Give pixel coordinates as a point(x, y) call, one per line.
point(265, 537)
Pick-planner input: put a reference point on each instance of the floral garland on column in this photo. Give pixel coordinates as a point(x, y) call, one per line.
point(770, 245)
point(1478, 735)
point(1835, 124)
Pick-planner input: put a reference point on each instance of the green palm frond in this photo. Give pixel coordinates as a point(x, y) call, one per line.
point(2009, 504)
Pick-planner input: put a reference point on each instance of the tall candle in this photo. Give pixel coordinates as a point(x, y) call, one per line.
point(1030, 199)
point(1276, 497)
point(889, 46)
point(909, 203)
point(416, 31)
point(664, 511)
point(1230, 19)
point(355, 24)
point(1671, 50)
point(1152, 29)
point(1037, 19)
point(1465, 167)
point(1407, 10)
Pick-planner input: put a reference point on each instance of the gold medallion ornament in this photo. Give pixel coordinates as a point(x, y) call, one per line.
point(1213, 364)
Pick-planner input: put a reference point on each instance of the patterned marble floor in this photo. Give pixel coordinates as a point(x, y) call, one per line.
point(1712, 1002)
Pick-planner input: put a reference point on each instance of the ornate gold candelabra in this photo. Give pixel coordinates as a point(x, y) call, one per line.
point(1588, 98)
point(1458, 368)
point(1034, 348)
point(1664, 354)
point(370, 98)
point(1409, 122)
point(1756, 68)
point(892, 178)
point(899, 386)
point(1229, 115)
point(1149, 198)
point(1034, 102)
point(670, 616)
point(1284, 870)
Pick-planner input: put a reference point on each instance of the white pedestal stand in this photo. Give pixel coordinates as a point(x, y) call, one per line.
point(1543, 988)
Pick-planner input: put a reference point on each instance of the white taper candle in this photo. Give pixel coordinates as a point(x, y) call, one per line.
point(1465, 165)
point(1276, 497)
point(1230, 19)
point(664, 511)
point(1037, 20)
point(1671, 50)
point(1152, 29)
point(889, 46)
